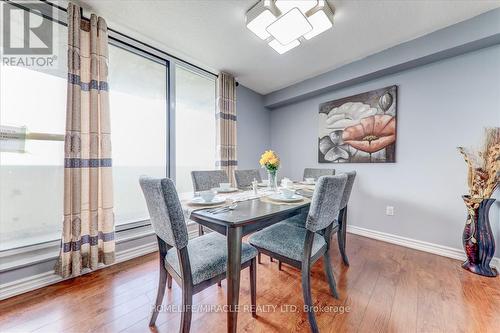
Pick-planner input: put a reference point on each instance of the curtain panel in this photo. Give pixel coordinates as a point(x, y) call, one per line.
point(88, 237)
point(226, 125)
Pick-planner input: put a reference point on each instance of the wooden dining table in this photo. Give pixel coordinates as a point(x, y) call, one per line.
point(249, 216)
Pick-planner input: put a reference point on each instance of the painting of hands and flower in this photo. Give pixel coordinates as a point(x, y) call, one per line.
point(359, 128)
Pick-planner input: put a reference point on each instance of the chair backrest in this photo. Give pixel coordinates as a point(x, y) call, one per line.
point(206, 180)
point(351, 175)
point(165, 211)
point(325, 203)
point(245, 178)
point(316, 173)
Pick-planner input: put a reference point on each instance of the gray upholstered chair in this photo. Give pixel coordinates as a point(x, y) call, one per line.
point(194, 264)
point(207, 180)
point(342, 218)
point(316, 173)
point(302, 247)
point(340, 223)
point(244, 178)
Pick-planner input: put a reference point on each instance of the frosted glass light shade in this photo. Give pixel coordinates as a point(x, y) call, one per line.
point(259, 24)
point(278, 47)
point(260, 16)
point(290, 27)
point(320, 23)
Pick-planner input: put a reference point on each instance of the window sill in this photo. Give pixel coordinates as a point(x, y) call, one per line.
point(31, 255)
point(34, 254)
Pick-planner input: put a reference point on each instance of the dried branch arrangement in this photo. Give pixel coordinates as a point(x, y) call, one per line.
point(483, 166)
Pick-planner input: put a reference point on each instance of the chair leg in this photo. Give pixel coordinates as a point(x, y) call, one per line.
point(258, 258)
point(187, 302)
point(341, 236)
point(162, 282)
point(169, 281)
point(306, 290)
point(279, 265)
point(253, 287)
point(200, 230)
point(329, 275)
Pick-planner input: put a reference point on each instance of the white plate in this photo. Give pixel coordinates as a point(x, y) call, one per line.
point(215, 201)
point(307, 183)
point(225, 190)
point(280, 197)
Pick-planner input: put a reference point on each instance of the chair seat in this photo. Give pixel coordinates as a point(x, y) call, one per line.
point(208, 256)
point(286, 240)
point(300, 221)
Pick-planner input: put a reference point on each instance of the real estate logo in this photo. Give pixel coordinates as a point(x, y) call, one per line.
point(28, 34)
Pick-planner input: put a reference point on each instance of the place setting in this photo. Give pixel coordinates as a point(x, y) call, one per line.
point(287, 194)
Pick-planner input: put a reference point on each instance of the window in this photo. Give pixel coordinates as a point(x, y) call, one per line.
point(31, 182)
point(194, 125)
point(138, 111)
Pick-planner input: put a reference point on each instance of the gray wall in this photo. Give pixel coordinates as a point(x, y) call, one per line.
point(441, 106)
point(253, 127)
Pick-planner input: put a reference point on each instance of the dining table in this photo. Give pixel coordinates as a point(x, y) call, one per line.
point(252, 212)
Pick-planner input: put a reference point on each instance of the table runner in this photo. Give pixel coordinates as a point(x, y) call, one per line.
point(239, 196)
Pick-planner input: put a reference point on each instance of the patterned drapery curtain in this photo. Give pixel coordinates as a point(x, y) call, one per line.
point(88, 226)
point(226, 124)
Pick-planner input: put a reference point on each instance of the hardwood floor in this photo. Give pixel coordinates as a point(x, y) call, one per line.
point(387, 288)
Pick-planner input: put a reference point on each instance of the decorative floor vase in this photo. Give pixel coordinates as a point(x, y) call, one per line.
point(478, 240)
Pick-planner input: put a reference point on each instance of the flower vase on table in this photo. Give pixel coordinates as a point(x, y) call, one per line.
point(271, 162)
point(272, 177)
point(483, 179)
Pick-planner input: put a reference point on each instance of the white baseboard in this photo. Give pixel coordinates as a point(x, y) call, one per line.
point(44, 279)
point(28, 284)
point(136, 252)
point(441, 250)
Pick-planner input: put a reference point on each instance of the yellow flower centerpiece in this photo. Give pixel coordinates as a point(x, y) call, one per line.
point(271, 162)
point(483, 169)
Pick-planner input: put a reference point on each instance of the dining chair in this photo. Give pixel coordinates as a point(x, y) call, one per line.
point(194, 264)
point(342, 218)
point(244, 178)
point(340, 223)
point(302, 247)
point(207, 180)
point(316, 173)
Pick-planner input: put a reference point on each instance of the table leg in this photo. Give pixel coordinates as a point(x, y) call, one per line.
point(233, 276)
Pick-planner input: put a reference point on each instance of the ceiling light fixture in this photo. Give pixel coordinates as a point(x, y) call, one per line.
point(283, 24)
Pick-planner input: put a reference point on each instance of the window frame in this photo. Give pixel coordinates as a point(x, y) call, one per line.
point(149, 52)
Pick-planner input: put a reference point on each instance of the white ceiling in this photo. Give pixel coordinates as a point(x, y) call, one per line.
point(212, 33)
